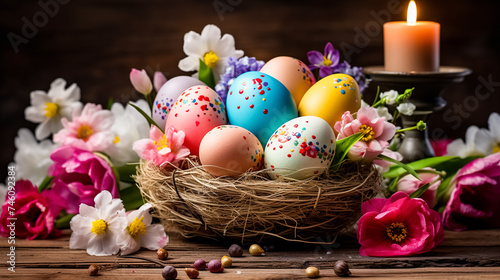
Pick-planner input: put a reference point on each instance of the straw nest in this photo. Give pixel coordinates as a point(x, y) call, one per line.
point(252, 207)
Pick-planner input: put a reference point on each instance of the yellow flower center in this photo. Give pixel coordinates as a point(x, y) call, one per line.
point(99, 227)
point(367, 131)
point(136, 228)
point(326, 61)
point(162, 143)
point(397, 232)
point(211, 59)
point(496, 149)
point(117, 139)
point(51, 109)
point(84, 132)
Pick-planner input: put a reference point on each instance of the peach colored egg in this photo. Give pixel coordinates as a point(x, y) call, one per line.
point(230, 150)
point(292, 73)
point(196, 112)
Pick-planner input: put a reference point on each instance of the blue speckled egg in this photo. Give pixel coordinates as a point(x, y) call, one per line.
point(259, 103)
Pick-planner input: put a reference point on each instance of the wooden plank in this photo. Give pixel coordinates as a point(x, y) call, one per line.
point(269, 274)
point(474, 238)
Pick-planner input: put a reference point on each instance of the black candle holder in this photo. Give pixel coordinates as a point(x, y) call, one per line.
point(426, 97)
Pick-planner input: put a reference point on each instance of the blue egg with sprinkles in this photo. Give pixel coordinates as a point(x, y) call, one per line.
point(259, 103)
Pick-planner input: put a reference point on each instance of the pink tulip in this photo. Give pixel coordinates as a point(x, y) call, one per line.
point(378, 133)
point(33, 213)
point(475, 199)
point(159, 80)
point(141, 81)
point(398, 226)
point(79, 176)
point(409, 184)
point(162, 149)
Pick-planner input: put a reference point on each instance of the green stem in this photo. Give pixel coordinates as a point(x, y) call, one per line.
point(395, 116)
point(406, 129)
point(375, 103)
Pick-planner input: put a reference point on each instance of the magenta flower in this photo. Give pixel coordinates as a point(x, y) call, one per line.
point(475, 199)
point(159, 80)
point(141, 81)
point(89, 130)
point(327, 62)
point(79, 176)
point(440, 146)
point(162, 149)
point(377, 133)
point(409, 184)
point(32, 213)
point(398, 226)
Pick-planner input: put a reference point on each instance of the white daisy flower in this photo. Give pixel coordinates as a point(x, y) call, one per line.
point(98, 228)
point(141, 233)
point(406, 109)
point(32, 159)
point(209, 47)
point(494, 126)
point(129, 126)
point(49, 108)
point(390, 96)
point(477, 142)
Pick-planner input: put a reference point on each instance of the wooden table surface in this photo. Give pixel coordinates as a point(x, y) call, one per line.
point(463, 255)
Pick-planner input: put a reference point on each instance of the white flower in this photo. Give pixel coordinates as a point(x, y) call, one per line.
point(494, 126)
point(382, 111)
point(141, 233)
point(98, 228)
point(477, 142)
point(406, 109)
point(390, 96)
point(209, 47)
point(32, 159)
point(49, 108)
point(129, 126)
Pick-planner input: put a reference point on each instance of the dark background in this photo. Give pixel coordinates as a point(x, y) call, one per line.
point(95, 43)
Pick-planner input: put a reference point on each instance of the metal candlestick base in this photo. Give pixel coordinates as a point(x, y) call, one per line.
point(426, 97)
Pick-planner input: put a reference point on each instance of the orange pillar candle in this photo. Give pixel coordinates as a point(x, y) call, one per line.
point(411, 46)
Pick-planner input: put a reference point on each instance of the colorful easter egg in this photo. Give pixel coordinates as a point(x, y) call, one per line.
point(330, 97)
point(168, 94)
point(196, 112)
point(230, 150)
point(259, 103)
point(300, 148)
point(292, 73)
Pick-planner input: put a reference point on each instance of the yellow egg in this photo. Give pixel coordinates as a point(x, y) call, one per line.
point(330, 97)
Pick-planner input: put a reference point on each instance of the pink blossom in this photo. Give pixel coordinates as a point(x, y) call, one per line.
point(385, 165)
point(398, 226)
point(90, 129)
point(377, 133)
point(440, 146)
point(34, 213)
point(159, 80)
point(162, 149)
point(141, 81)
point(475, 199)
point(409, 184)
point(79, 176)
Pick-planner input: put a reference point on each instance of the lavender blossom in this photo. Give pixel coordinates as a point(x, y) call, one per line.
point(234, 68)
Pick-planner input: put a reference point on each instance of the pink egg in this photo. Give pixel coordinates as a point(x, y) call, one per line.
point(196, 112)
point(230, 150)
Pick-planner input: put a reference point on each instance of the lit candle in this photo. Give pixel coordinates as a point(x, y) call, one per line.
point(411, 46)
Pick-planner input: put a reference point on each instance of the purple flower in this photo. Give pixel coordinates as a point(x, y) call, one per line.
point(79, 176)
point(234, 68)
point(328, 63)
point(475, 200)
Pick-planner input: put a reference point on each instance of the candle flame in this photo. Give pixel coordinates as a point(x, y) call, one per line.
point(411, 17)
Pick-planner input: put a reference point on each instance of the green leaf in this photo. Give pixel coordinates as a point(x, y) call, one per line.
point(148, 118)
point(420, 191)
point(126, 171)
point(405, 167)
point(63, 222)
point(206, 75)
point(392, 185)
point(131, 197)
point(45, 183)
point(110, 103)
point(342, 147)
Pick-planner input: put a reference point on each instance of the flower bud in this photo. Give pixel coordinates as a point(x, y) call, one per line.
point(159, 80)
point(141, 81)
